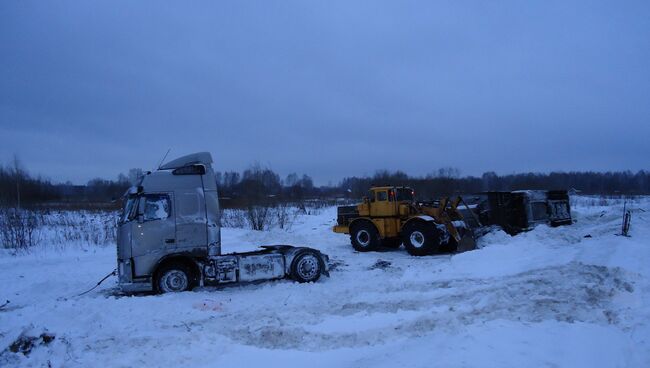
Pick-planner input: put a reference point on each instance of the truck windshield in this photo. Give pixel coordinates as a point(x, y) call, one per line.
point(128, 213)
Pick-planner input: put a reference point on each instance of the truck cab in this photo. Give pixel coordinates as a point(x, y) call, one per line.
point(169, 236)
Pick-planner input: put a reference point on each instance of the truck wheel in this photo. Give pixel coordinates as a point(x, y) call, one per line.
point(174, 278)
point(392, 243)
point(306, 267)
point(421, 238)
point(365, 237)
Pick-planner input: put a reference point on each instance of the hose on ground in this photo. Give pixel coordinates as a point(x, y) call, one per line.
point(113, 273)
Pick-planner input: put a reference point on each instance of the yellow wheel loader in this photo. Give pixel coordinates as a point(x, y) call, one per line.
point(390, 216)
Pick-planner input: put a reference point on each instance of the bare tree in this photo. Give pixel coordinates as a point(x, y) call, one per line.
point(233, 217)
point(284, 216)
point(18, 228)
point(258, 217)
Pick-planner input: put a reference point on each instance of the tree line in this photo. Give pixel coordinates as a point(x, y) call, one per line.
point(447, 181)
point(256, 184)
point(20, 189)
point(259, 184)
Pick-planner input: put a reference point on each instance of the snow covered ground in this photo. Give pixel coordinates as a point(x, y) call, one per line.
point(551, 297)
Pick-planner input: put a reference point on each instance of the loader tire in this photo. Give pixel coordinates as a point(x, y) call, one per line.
point(306, 267)
point(365, 237)
point(421, 238)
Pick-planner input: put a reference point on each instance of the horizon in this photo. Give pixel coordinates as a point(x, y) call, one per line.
point(329, 183)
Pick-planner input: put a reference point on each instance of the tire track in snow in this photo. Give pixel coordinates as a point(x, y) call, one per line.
point(566, 293)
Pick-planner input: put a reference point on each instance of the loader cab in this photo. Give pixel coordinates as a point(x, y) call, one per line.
point(388, 201)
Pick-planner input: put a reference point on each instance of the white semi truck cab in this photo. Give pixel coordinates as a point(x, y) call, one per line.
point(169, 236)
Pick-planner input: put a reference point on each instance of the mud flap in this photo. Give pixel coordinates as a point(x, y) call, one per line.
point(466, 243)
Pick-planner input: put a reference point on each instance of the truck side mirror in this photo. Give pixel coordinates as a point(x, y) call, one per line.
point(140, 216)
point(365, 199)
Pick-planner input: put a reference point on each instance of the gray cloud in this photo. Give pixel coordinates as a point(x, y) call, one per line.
point(326, 88)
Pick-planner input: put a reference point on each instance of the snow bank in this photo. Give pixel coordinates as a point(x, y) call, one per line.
point(549, 297)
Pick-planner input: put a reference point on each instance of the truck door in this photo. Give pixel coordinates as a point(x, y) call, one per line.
point(191, 221)
point(154, 231)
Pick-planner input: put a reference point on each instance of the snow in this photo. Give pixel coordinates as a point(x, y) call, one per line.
point(549, 297)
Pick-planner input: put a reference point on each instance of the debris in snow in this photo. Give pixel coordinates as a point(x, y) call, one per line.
point(335, 264)
point(24, 343)
point(380, 264)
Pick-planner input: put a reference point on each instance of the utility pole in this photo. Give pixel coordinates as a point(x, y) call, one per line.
point(17, 173)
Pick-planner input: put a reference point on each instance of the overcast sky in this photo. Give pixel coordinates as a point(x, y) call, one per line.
point(331, 89)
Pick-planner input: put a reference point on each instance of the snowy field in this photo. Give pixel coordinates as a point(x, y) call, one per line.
point(548, 298)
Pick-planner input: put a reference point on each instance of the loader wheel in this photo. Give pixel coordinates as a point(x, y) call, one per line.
point(392, 243)
point(306, 267)
point(174, 278)
point(365, 237)
point(421, 238)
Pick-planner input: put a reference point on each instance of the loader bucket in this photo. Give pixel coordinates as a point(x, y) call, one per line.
point(467, 242)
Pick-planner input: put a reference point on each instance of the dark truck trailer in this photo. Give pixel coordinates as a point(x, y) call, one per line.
point(522, 210)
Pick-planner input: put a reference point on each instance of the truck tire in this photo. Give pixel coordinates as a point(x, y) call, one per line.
point(392, 243)
point(364, 237)
point(306, 267)
point(174, 278)
point(421, 238)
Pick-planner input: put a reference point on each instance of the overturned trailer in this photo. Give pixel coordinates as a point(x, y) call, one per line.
point(522, 210)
